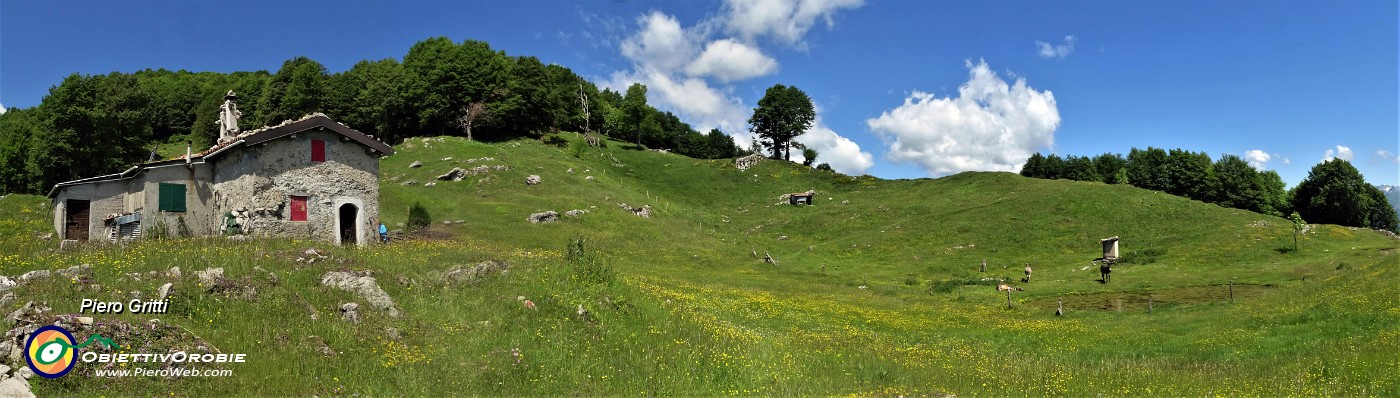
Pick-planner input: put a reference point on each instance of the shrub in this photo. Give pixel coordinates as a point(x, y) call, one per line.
point(418, 217)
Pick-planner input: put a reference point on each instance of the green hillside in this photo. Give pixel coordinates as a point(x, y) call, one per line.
point(876, 290)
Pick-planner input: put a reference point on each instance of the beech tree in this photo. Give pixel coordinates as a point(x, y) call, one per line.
point(783, 113)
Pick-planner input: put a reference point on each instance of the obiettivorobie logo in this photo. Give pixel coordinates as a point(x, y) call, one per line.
point(51, 352)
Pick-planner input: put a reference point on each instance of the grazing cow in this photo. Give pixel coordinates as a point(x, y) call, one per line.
point(1104, 268)
point(1001, 287)
point(1028, 273)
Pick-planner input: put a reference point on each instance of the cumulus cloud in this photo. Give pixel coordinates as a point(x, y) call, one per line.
point(1384, 156)
point(729, 60)
point(841, 153)
point(991, 125)
point(786, 21)
point(687, 70)
point(1061, 51)
point(2, 109)
point(1257, 158)
point(1342, 153)
point(660, 43)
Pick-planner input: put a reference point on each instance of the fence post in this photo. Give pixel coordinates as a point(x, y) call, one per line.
point(1008, 299)
point(1149, 303)
point(1232, 290)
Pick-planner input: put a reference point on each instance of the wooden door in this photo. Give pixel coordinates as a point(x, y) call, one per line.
point(76, 226)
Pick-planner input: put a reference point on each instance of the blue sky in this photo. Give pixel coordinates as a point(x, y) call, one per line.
point(904, 89)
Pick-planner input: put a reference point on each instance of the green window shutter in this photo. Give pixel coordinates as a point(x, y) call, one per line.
point(172, 197)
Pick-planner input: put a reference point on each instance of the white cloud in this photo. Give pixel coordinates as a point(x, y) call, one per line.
point(2, 109)
point(991, 125)
point(729, 60)
point(1342, 153)
point(687, 70)
point(1057, 51)
point(843, 154)
point(1257, 158)
point(660, 44)
point(1384, 156)
point(785, 20)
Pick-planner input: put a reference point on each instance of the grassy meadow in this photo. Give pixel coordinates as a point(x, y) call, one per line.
point(876, 290)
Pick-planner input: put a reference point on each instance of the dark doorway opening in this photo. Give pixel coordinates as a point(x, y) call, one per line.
point(347, 224)
point(76, 226)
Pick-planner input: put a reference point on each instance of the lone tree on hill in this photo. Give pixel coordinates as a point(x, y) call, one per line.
point(784, 113)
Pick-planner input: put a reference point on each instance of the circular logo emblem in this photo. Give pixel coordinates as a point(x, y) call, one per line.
point(50, 351)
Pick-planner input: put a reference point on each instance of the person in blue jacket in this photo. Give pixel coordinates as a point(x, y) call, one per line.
point(383, 233)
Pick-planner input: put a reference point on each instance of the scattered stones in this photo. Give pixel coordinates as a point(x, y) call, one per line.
point(746, 162)
point(33, 275)
point(643, 212)
point(473, 274)
point(391, 333)
point(6, 283)
point(365, 286)
point(82, 320)
point(410, 182)
point(455, 175)
point(589, 178)
point(174, 272)
point(76, 270)
point(575, 212)
point(544, 217)
point(570, 170)
point(768, 258)
point(348, 312)
point(164, 292)
point(415, 164)
point(47, 236)
point(431, 184)
point(845, 202)
point(782, 237)
point(29, 312)
point(210, 275)
point(532, 180)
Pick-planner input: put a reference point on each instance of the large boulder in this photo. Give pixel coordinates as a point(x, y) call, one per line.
point(544, 217)
point(455, 175)
point(532, 180)
point(365, 286)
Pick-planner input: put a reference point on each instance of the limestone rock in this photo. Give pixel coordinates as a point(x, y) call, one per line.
point(6, 283)
point(365, 286)
point(349, 312)
point(74, 271)
point(455, 175)
point(416, 164)
point(410, 182)
point(174, 272)
point(473, 274)
point(532, 180)
point(33, 275)
point(164, 291)
point(210, 275)
point(15, 387)
point(575, 212)
point(544, 217)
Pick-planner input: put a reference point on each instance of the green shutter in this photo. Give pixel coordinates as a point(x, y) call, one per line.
point(172, 197)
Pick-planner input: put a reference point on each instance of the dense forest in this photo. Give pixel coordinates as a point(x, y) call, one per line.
point(1334, 192)
point(94, 125)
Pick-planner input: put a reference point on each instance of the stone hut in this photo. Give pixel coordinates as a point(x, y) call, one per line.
point(310, 178)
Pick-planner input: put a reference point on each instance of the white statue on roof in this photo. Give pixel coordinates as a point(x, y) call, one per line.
point(228, 118)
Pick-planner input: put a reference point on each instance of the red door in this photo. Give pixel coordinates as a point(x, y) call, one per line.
point(298, 208)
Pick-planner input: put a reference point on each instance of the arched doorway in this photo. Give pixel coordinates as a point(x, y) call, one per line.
point(348, 233)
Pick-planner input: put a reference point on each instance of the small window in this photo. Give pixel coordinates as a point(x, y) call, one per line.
point(298, 208)
point(172, 197)
point(318, 151)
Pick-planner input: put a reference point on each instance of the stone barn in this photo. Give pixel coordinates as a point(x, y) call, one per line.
point(310, 178)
